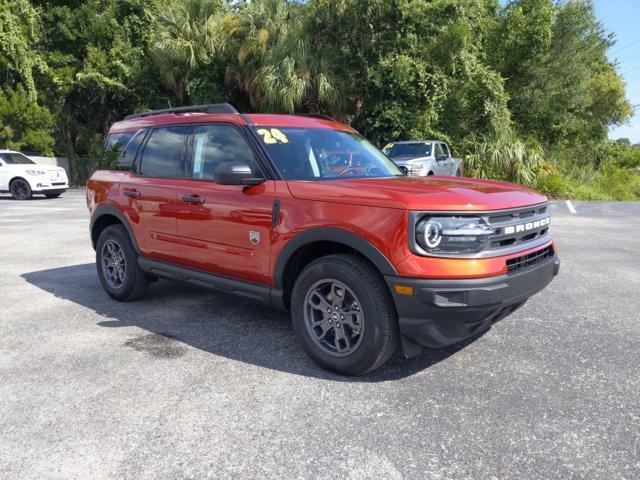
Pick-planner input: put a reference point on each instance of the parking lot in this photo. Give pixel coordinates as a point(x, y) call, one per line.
point(189, 383)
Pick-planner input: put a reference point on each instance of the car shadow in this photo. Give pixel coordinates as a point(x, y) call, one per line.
point(222, 324)
point(9, 197)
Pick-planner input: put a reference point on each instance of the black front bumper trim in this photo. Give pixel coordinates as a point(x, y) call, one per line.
point(442, 312)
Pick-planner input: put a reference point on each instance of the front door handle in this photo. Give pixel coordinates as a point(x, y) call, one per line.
point(193, 199)
point(131, 193)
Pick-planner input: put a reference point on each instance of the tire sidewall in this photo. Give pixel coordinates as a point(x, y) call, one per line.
point(29, 191)
point(118, 234)
point(372, 343)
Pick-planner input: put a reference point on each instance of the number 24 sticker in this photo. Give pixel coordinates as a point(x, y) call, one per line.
point(272, 136)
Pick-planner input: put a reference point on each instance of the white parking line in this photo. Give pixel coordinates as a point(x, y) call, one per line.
point(571, 207)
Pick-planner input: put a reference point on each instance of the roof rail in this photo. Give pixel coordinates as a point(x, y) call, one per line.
point(209, 108)
point(316, 115)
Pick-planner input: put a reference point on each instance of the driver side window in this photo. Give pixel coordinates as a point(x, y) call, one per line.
point(213, 145)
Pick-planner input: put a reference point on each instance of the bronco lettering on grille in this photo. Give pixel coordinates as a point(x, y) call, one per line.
point(524, 227)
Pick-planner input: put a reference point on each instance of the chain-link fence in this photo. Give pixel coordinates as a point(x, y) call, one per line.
point(81, 169)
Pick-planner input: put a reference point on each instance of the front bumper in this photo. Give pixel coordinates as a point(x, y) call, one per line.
point(442, 312)
point(49, 187)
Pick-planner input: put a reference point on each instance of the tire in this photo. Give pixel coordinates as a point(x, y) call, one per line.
point(127, 284)
point(372, 331)
point(52, 195)
point(20, 189)
point(458, 173)
point(429, 174)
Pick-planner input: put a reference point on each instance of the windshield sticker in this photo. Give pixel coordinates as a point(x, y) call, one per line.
point(272, 136)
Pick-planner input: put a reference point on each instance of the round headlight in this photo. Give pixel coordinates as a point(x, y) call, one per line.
point(432, 233)
point(452, 235)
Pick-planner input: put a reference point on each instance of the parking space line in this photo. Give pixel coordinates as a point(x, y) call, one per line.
point(571, 207)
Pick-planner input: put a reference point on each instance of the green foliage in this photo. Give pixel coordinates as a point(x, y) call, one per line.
point(19, 32)
point(523, 90)
point(609, 181)
point(505, 157)
point(275, 62)
point(23, 123)
point(552, 55)
point(189, 36)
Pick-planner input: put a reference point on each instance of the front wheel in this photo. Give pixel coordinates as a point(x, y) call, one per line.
point(343, 315)
point(20, 189)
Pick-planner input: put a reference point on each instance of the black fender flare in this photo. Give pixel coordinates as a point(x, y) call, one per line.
point(108, 209)
point(330, 234)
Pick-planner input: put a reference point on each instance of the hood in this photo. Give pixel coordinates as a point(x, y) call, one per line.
point(38, 166)
point(419, 193)
point(406, 158)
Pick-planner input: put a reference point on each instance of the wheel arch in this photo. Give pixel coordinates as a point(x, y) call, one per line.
point(315, 243)
point(18, 177)
point(105, 215)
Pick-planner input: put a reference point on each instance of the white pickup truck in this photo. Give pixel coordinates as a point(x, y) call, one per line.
point(424, 157)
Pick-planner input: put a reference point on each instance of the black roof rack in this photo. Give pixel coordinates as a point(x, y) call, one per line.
point(316, 115)
point(209, 108)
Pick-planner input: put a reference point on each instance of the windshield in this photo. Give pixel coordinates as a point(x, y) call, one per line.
point(410, 150)
point(16, 159)
point(322, 153)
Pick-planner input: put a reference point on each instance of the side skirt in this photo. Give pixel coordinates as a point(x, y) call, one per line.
point(254, 291)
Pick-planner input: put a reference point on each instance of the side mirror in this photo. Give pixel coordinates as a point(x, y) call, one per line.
point(404, 170)
point(235, 173)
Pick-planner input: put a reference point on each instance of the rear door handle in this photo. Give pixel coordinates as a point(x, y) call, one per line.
point(193, 199)
point(131, 193)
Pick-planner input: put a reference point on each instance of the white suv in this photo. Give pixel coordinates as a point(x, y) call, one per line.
point(23, 177)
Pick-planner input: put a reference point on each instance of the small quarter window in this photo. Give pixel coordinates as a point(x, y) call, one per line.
point(113, 146)
point(128, 154)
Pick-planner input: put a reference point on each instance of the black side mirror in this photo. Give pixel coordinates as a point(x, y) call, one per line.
point(404, 170)
point(235, 173)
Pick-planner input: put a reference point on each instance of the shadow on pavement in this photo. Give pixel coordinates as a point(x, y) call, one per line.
point(35, 197)
point(225, 325)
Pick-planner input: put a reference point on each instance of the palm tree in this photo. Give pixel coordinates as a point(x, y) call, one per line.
point(190, 33)
point(275, 64)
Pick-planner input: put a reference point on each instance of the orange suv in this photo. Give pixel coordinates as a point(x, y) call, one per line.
point(303, 213)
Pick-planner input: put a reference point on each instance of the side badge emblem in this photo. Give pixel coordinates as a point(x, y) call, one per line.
point(254, 237)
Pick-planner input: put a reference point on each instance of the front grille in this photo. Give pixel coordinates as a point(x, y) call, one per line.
point(517, 226)
point(55, 184)
point(525, 261)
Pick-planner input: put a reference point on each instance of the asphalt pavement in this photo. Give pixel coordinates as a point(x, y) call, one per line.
point(192, 384)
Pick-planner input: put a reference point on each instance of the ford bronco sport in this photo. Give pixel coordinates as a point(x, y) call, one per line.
point(303, 213)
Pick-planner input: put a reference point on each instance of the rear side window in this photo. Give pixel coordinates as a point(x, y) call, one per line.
point(216, 144)
point(163, 153)
point(126, 157)
point(113, 145)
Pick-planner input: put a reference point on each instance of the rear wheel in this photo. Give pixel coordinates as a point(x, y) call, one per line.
point(52, 195)
point(458, 173)
point(20, 189)
point(343, 315)
point(117, 263)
